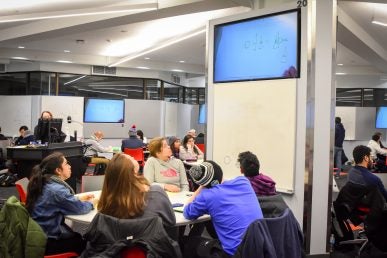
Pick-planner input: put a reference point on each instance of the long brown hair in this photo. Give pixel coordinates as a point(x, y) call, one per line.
point(123, 193)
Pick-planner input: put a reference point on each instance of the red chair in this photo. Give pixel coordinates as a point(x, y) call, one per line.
point(137, 154)
point(134, 252)
point(201, 146)
point(21, 187)
point(63, 255)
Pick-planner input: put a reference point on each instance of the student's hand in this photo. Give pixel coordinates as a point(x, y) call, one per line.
point(86, 197)
point(196, 193)
point(171, 188)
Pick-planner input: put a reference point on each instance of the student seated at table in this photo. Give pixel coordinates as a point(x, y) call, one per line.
point(133, 142)
point(50, 198)
point(188, 150)
point(126, 199)
point(164, 170)
point(249, 165)
point(22, 129)
point(94, 146)
point(174, 144)
point(232, 205)
point(271, 202)
point(28, 137)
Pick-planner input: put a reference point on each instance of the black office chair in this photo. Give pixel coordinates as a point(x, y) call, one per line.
point(357, 204)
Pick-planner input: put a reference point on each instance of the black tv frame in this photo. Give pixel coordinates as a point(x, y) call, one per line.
point(298, 11)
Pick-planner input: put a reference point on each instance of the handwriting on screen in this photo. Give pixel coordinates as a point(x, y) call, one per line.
point(263, 43)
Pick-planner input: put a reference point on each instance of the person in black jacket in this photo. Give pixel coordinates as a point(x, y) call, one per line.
point(339, 139)
point(22, 129)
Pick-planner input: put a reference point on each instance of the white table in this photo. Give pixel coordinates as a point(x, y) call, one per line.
point(180, 197)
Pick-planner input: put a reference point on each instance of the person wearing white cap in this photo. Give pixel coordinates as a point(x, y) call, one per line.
point(232, 204)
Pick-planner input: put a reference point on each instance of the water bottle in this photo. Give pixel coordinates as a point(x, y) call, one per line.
point(332, 243)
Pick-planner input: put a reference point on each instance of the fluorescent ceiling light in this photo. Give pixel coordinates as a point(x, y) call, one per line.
point(21, 47)
point(142, 67)
point(379, 23)
point(181, 61)
point(19, 58)
point(177, 70)
point(341, 73)
point(76, 79)
point(66, 51)
point(163, 45)
point(104, 92)
point(64, 61)
point(67, 15)
point(155, 32)
point(146, 58)
point(340, 64)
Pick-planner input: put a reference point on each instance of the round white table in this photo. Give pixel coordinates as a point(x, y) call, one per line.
point(180, 197)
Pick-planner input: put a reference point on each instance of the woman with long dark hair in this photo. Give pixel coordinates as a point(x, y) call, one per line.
point(50, 198)
point(189, 151)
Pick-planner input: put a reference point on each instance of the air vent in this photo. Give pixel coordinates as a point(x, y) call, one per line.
point(103, 70)
point(3, 68)
point(175, 78)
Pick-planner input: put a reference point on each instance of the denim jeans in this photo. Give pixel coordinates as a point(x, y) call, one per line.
point(338, 159)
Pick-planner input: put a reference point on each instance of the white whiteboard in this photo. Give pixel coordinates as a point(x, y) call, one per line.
point(359, 122)
point(260, 117)
point(15, 111)
point(62, 107)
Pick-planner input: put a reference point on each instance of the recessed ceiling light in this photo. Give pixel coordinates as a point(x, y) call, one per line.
point(64, 61)
point(340, 64)
point(19, 58)
point(177, 70)
point(146, 58)
point(66, 51)
point(143, 67)
point(21, 47)
point(341, 73)
point(181, 61)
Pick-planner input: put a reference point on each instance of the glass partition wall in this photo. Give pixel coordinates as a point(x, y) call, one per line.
point(62, 84)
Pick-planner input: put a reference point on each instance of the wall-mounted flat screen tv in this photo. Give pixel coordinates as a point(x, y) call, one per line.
point(258, 48)
point(381, 118)
point(202, 114)
point(104, 110)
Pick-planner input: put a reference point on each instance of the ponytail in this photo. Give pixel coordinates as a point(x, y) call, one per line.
point(39, 177)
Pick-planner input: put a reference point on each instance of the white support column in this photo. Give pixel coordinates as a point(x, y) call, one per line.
point(321, 103)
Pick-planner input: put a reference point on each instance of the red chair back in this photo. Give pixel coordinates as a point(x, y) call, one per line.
point(134, 252)
point(62, 255)
point(137, 154)
point(201, 146)
point(21, 187)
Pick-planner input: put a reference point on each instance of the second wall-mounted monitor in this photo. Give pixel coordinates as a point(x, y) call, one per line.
point(104, 110)
point(381, 118)
point(258, 48)
point(202, 119)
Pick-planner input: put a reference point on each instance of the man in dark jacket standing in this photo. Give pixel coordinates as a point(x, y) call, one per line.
point(339, 139)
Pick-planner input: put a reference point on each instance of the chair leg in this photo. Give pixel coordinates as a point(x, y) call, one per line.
point(362, 247)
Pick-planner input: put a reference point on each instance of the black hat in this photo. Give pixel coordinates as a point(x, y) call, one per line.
point(207, 174)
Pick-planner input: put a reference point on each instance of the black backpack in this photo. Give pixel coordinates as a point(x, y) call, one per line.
point(7, 179)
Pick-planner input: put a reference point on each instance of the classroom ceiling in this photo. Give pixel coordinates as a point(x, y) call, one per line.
point(106, 31)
